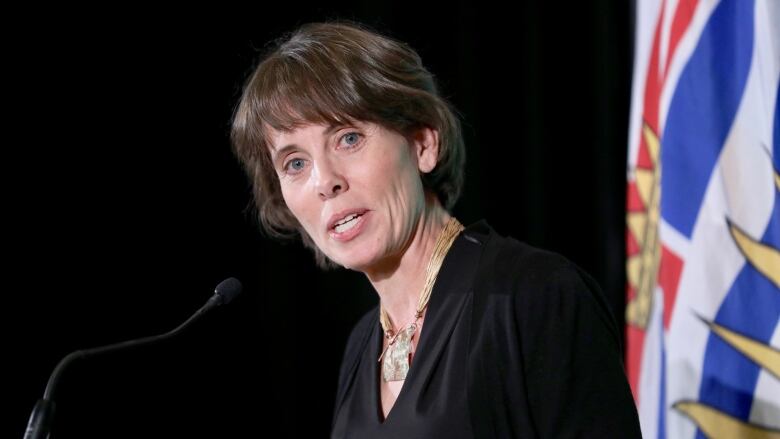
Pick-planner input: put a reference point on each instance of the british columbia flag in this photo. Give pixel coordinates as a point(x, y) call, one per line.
point(703, 219)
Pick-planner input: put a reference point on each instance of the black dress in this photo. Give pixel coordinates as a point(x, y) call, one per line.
point(517, 342)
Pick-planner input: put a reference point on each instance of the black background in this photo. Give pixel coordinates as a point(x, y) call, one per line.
point(124, 206)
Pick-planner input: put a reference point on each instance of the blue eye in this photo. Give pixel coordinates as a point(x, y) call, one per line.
point(352, 135)
point(292, 163)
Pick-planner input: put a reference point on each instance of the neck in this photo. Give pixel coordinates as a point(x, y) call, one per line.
point(400, 282)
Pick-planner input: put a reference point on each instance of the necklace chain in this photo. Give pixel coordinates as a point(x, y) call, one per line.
point(396, 354)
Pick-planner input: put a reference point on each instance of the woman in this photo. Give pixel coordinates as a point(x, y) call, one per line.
point(348, 143)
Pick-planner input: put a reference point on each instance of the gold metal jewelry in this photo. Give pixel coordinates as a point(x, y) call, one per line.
point(397, 355)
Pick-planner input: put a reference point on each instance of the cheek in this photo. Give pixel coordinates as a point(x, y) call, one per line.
point(297, 204)
point(402, 176)
point(397, 170)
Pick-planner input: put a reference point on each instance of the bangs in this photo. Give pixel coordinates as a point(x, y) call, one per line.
point(290, 92)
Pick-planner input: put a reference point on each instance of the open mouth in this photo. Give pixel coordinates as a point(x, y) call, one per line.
point(347, 223)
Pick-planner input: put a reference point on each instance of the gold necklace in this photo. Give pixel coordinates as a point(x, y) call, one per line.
point(397, 354)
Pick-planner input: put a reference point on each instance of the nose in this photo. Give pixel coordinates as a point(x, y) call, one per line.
point(329, 181)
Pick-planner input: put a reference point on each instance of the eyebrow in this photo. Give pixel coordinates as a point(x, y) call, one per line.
point(283, 150)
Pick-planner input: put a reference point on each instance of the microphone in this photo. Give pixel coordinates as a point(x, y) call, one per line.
point(43, 412)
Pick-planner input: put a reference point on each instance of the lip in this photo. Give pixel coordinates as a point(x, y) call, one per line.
point(351, 233)
point(339, 215)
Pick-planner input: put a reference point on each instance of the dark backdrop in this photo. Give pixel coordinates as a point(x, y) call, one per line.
point(125, 206)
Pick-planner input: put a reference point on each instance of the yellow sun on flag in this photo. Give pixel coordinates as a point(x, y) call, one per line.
point(642, 267)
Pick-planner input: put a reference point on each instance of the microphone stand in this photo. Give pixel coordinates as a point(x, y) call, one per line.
point(42, 414)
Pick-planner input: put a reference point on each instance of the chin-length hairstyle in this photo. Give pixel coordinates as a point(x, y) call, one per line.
point(332, 73)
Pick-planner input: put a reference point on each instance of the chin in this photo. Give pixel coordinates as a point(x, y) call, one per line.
point(352, 264)
point(355, 262)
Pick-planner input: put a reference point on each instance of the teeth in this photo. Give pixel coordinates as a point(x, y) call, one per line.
point(347, 218)
point(341, 228)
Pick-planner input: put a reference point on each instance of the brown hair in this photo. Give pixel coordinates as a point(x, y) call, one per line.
point(329, 73)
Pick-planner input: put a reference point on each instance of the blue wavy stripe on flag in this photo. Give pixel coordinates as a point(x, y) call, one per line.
point(702, 110)
point(752, 308)
point(776, 133)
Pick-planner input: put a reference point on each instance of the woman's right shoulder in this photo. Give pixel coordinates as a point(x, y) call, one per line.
point(359, 336)
point(363, 327)
point(356, 343)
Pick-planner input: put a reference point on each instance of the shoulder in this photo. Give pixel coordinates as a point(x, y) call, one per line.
point(547, 323)
point(356, 343)
point(539, 284)
point(507, 260)
point(362, 329)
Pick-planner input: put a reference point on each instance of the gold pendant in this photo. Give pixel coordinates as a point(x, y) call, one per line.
point(397, 356)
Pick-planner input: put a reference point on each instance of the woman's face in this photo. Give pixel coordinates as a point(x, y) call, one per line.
point(330, 174)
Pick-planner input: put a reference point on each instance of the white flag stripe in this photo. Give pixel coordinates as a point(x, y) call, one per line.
point(643, 44)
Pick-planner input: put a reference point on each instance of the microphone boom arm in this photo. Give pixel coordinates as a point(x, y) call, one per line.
point(43, 411)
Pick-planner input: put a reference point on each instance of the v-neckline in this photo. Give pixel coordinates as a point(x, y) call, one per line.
point(377, 375)
point(448, 298)
point(359, 395)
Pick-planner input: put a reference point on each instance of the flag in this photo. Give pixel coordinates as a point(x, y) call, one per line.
point(703, 219)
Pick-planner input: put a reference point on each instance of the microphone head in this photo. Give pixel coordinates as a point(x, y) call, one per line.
point(228, 289)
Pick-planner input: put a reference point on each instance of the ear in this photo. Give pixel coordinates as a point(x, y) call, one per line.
point(426, 148)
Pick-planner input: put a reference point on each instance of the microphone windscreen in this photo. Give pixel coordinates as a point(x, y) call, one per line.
point(228, 289)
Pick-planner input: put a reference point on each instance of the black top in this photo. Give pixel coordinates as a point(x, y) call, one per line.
point(517, 342)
